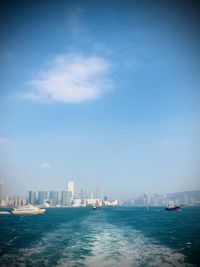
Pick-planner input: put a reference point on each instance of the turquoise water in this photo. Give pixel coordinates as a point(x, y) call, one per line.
point(107, 237)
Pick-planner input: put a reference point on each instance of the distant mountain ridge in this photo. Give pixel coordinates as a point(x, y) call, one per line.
point(185, 196)
point(181, 198)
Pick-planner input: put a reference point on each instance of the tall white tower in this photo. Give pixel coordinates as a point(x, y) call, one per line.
point(70, 187)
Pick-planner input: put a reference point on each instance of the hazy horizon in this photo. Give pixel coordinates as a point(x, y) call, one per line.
point(100, 91)
point(87, 193)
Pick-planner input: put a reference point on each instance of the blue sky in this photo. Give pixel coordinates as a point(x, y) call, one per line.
point(102, 91)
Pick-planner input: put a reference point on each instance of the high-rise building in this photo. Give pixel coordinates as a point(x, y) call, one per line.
point(82, 196)
point(1, 190)
point(70, 187)
point(53, 198)
point(98, 191)
point(66, 198)
point(42, 197)
point(32, 197)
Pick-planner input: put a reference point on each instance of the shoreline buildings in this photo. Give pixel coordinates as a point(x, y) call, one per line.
point(71, 198)
point(68, 198)
point(1, 190)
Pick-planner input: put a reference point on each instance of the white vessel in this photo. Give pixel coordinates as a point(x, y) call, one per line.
point(4, 212)
point(28, 209)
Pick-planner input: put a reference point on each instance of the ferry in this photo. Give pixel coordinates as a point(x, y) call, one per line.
point(28, 209)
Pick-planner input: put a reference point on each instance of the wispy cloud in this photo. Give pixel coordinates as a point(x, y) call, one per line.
point(4, 141)
point(71, 78)
point(6, 56)
point(45, 166)
point(75, 22)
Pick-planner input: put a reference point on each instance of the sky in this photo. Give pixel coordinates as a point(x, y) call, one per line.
point(100, 92)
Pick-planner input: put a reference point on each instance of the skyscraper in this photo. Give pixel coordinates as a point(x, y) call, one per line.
point(1, 190)
point(70, 187)
point(42, 197)
point(98, 191)
point(66, 198)
point(32, 197)
point(53, 198)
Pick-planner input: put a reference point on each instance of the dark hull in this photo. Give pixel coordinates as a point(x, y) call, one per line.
point(177, 208)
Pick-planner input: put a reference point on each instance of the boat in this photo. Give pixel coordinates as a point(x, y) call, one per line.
point(172, 207)
point(95, 207)
point(4, 212)
point(28, 209)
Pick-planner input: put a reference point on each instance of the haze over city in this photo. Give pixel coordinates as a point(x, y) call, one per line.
point(99, 91)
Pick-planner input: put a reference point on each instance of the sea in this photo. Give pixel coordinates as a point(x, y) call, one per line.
point(118, 236)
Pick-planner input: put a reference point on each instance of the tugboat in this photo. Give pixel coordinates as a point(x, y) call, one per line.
point(96, 206)
point(172, 207)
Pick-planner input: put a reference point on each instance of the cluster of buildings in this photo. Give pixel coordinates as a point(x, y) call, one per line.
point(187, 198)
point(6, 201)
point(13, 201)
point(53, 198)
point(68, 198)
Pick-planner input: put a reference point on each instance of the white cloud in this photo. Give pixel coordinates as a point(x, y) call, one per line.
point(71, 78)
point(4, 141)
point(45, 165)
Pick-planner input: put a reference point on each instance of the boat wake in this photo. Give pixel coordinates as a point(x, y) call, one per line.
point(95, 242)
point(111, 246)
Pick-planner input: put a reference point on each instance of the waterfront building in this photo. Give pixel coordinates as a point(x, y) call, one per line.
point(98, 191)
point(78, 202)
point(93, 201)
point(3, 203)
point(32, 197)
point(82, 196)
point(70, 187)
point(18, 201)
point(1, 190)
point(66, 197)
point(110, 203)
point(42, 197)
point(53, 197)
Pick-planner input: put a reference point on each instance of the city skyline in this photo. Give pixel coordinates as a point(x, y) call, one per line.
point(99, 91)
point(74, 190)
point(69, 197)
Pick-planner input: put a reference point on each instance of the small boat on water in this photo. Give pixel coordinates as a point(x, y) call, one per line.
point(173, 208)
point(4, 212)
point(96, 207)
point(28, 209)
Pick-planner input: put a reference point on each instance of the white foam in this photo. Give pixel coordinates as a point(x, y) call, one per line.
point(113, 248)
point(116, 247)
point(97, 244)
point(11, 241)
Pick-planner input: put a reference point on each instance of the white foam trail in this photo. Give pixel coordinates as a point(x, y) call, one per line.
point(114, 248)
point(96, 243)
point(117, 247)
point(11, 241)
point(41, 251)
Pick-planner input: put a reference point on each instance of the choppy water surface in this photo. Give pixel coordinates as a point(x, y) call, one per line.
point(101, 238)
